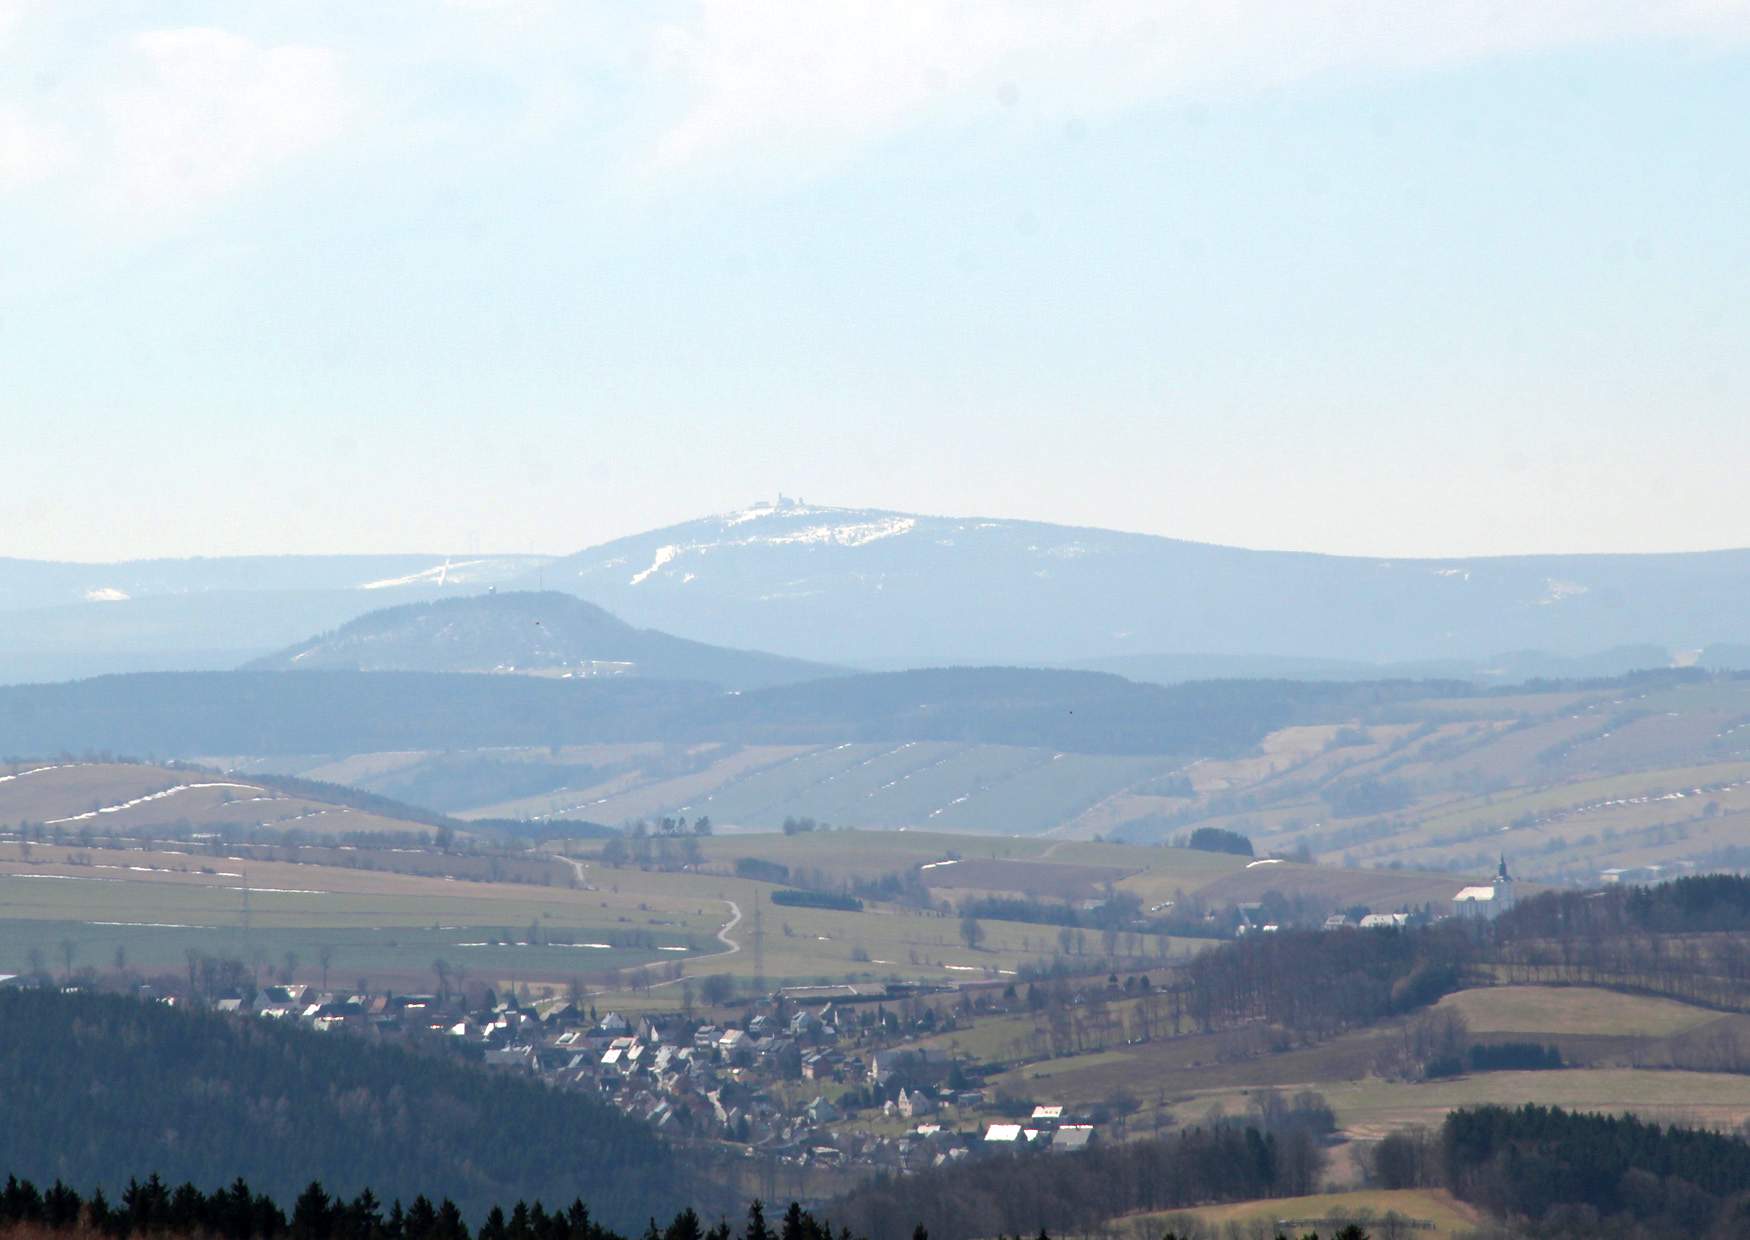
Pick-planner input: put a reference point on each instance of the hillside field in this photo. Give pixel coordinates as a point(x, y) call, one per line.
point(82, 798)
point(1372, 1107)
point(1650, 776)
point(1449, 1218)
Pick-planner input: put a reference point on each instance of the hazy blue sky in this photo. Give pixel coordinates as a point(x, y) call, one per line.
point(1346, 275)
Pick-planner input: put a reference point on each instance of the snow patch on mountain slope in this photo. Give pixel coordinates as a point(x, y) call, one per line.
point(663, 555)
point(858, 534)
point(483, 570)
point(1556, 591)
point(835, 534)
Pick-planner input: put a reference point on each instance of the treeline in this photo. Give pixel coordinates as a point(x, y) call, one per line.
point(904, 887)
point(1685, 938)
point(1681, 938)
point(1273, 991)
point(1557, 1174)
point(1078, 1192)
point(1703, 904)
point(89, 1079)
point(153, 1208)
point(817, 899)
point(1497, 1057)
point(1319, 984)
point(1122, 910)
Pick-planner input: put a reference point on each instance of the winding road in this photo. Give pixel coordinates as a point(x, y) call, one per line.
point(723, 934)
point(730, 946)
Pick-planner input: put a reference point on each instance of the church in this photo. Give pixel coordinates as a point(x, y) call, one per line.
point(1486, 903)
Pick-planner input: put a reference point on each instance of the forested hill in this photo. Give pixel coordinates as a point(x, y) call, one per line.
point(172, 714)
point(100, 1089)
point(529, 631)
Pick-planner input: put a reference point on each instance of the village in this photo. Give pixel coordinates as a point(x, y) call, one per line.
point(812, 1076)
point(856, 1077)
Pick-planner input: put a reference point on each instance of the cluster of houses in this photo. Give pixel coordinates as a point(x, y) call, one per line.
point(1477, 902)
point(803, 1084)
point(1047, 1128)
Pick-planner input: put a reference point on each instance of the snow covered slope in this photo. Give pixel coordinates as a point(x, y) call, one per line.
point(877, 587)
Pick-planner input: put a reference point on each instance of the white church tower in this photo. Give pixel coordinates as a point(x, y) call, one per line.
point(1503, 885)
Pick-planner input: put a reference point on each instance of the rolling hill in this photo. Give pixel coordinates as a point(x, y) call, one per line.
point(137, 798)
point(1571, 780)
point(872, 586)
point(535, 633)
point(341, 712)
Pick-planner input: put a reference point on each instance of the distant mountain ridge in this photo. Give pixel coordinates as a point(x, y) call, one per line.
point(62, 621)
point(850, 584)
point(877, 589)
point(532, 632)
point(31, 584)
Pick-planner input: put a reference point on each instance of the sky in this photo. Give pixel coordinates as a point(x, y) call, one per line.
point(1359, 276)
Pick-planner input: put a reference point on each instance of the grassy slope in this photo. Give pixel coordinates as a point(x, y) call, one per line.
point(115, 796)
point(1183, 1078)
point(164, 904)
point(1450, 1218)
point(1540, 1011)
point(1372, 1107)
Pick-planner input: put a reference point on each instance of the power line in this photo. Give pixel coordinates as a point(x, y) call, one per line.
point(759, 948)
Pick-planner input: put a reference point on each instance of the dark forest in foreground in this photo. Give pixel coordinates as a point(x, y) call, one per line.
point(1542, 1172)
point(95, 1085)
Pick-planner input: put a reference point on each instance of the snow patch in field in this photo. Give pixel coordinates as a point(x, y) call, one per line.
point(35, 770)
point(1252, 865)
point(931, 865)
point(71, 878)
point(150, 796)
point(106, 594)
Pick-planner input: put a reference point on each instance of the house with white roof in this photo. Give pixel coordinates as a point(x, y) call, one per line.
point(1384, 921)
